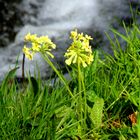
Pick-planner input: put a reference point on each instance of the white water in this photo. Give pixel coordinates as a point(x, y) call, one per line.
point(68, 14)
point(56, 18)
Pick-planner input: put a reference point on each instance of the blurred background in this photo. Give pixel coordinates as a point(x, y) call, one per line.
point(56, 18)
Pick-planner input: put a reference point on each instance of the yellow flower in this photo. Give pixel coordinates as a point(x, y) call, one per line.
point(88, 37)
point(73, 34)
point(80, 51)
point(36, 47)
point(39, 44)
point(30, 37)
point(27, 53)
point(43, 39)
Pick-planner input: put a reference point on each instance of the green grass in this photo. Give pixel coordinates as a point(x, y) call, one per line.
point(33, 110)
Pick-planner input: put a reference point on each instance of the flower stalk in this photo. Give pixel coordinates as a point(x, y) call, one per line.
point(79, 54)
point(43, 45)
point(58, 73)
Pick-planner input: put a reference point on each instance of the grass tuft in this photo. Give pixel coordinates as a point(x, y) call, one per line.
point(105, 103)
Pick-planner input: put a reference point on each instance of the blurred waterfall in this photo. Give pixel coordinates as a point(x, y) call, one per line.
point(56, 18)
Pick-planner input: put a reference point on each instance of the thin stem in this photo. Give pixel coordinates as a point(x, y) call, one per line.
point(58, 73)
point(79, 77)
point(85, 100)
point(80, 109)
point(23, 62)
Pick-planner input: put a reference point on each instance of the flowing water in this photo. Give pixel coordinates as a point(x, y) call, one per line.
point(56, 18)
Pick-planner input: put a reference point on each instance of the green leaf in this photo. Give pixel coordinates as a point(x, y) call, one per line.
point(9, 77)
point(91, 95)
point(96, 112)
point(122, 36)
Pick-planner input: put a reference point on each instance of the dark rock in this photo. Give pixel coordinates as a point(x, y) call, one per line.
point(9, 20)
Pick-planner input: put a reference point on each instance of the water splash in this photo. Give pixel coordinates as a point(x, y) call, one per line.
point(69, 14)
point(56, 18)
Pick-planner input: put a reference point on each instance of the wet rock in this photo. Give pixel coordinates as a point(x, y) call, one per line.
point(9, 20)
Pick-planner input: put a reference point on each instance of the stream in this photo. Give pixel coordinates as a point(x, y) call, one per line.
point(56, 18)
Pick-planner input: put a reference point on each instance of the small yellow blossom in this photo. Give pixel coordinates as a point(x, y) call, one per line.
point(36, 47)
point(80, 51)
point(43, 39)
point(73, 34)
point(27, 53)
point(88, 37)
point(31, 38)
point(39, 44)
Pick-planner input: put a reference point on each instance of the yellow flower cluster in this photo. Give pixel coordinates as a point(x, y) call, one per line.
point(39, 44)
point(79, 51)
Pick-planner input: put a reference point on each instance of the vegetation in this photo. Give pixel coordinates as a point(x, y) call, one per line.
point(102, 101)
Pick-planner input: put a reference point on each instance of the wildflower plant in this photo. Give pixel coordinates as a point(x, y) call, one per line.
point(79, 54)
point(111, 85)
point(44, 46)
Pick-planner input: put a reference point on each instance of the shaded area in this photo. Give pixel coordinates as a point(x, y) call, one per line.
point(10, 20)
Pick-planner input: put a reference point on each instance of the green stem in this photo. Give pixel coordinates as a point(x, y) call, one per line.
point(79, 78)
point(85, 100)
point(80, 109)
point(58, 73)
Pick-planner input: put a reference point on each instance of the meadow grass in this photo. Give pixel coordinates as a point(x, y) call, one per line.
point(104, 105)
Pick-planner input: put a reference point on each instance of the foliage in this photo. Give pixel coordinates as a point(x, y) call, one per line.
point(103, 100)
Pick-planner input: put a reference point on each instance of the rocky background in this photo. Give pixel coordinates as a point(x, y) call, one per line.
point(9, 14)
point(56, 18)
